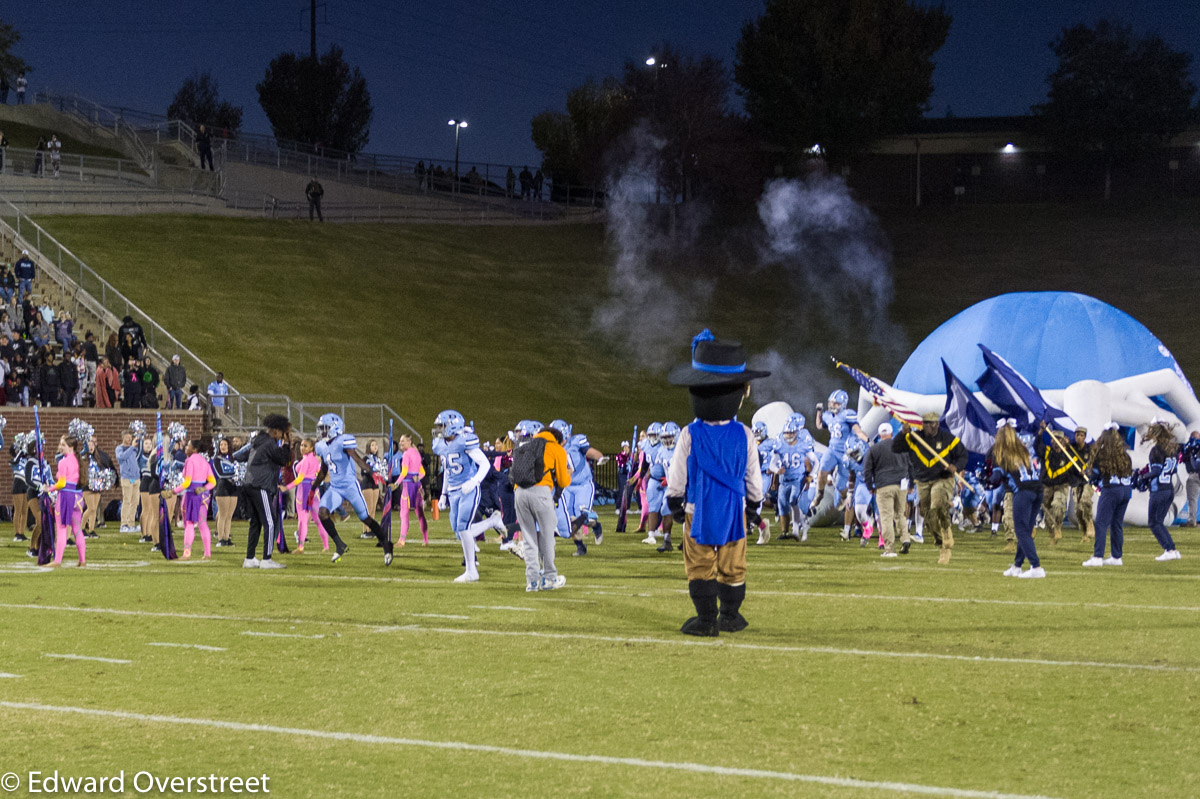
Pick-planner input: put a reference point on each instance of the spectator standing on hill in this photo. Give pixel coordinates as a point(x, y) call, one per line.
point(526, 179)
point(3, 150)
point(419, 171)
point(21, 85)
point(25, 272)
point(108, 384)
point(510, 183)
point(4, 87)
point(204, 147)
point(39, 153)
point(175, 379)
point(314, 191)
point(537, 184)
point(55, 154)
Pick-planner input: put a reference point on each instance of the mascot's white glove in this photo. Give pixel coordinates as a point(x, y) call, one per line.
point(444, 503)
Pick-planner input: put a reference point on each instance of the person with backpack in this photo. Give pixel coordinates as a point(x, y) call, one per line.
point(539, 474)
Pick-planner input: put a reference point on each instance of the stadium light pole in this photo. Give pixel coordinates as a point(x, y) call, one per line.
point(457, 125)
point(654, 64)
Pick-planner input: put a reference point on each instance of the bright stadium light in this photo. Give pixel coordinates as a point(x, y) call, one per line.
point(1010, 148)
point(458, 125)
point(650, 61)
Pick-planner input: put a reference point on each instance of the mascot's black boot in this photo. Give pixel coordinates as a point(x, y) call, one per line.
point(732, 596)
point(704, 597)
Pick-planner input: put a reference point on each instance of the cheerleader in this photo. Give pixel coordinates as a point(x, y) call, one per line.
point(1013, 467)
point(411, 475)
point(99, 464)
point(33, 486)
point(175, 463)
point(69, 508)
point(198, 483)
point(1164, 461)
point(225, 469)
point(149, 489)
point(1112, 471)
point(370, 480)
point(307, 496)
point(20, 501)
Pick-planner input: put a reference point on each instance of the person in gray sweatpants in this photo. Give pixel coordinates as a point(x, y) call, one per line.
point(536, 516)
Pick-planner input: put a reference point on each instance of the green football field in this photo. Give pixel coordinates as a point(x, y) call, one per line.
point(858, 677)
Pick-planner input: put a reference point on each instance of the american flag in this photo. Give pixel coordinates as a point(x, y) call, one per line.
point(881, 395)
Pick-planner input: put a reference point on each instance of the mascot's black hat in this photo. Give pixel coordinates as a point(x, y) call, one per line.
point(714, 363)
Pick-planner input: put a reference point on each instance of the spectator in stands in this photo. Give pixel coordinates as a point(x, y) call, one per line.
point(537, 184)
point(130, 381)
point(25, 273)
point(175, 379)
point(510, 183)
point(6, 328)
point(16, 385)
point(55, 148)
point(41, 333)
point(29, 316)
point(526, 182)
point(204, 147)
point(108, 384)
point(68, 381)
point(39, 154)
point(51, 394)
point(130, 349)
point(8, 284)
point(90, 356)
point(314, 191)
point(112, 351)
point(133, 329)
point(194, 403)
point(21, 84)
point(217, 391)
point(64, 331)
point(148, 377)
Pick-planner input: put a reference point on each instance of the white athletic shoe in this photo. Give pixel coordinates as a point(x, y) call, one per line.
point(918, 538)
point(889, 555)
point(1175, 555)
point(531, 587)
point(1113, 562)
point(1033, 574)
point(251, 563)
point(764, 535)
point(1166, 555)
point(507, 546)
point(1093, 561)
point(270, 563)
point(649, 540)
point(518, 549)
point(466, 578)
point(1012, 571)
point(558, 582)
point(497, 520)
point(125, 528)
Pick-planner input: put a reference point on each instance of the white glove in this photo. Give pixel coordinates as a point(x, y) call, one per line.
point(603, 460)
point(444, 503)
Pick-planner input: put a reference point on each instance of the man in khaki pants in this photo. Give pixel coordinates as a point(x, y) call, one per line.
point(886, 473)
point(936, 457)
point(131, 478)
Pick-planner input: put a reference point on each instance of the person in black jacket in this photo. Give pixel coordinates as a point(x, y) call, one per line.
point(936, 459)
point(51, 383)
point(68, 381)
point(204, 148)
point(268, 451)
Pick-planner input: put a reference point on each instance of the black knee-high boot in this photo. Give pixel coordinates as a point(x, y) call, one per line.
point(704, 597)
point(731, 596)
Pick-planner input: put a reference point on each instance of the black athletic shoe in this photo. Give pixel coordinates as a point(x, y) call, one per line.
point(156, 548)
point(598, 532)
point(706, 628)
point(338, 552)
point(90, 535)
point(19, 537)
point(145, 539)
point(367, 534)
point(904, 548)
point(71, 541)
point(387, 555)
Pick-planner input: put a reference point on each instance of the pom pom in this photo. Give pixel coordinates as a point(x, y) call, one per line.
point(80, 430)
point(138, 428)
point(177, 432)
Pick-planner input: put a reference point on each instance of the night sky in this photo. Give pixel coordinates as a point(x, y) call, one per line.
point(496, 63)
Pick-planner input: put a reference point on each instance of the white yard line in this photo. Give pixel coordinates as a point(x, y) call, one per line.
point(503, 607)
point(280, 635)
point(4, 675)
point(201, 647)
point(534, 754)
point(84, 657)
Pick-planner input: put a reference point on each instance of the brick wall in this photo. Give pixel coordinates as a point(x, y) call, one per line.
point(108, 423)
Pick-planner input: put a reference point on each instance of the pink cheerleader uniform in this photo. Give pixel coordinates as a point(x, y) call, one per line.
point(411, 472)
point(69, 509)
point(198, 483)
point(307, 499)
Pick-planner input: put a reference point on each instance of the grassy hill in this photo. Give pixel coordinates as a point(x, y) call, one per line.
point(496, 321)
point(26, 136)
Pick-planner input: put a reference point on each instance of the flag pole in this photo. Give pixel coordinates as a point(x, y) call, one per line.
point(1066, 454)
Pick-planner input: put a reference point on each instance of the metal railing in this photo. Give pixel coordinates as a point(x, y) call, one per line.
point(20, 161)
point(419, 209)
point(99, 116)
point(87, 289)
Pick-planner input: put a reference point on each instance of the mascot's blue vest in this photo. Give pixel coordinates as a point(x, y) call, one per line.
point(717, 482)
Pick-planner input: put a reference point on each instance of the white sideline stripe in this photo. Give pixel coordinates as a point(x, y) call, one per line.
point(503, 607)
point(190, 646)
point(816, 650)
point(279, 635)
point(4, 675)
point(538, 754)
point(436, 616)
point(84, 657)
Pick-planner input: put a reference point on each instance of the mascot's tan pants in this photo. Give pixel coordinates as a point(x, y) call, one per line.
point(725, 564)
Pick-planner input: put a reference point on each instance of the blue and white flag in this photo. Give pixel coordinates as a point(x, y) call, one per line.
point(966, 417)
point(1017, 397)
